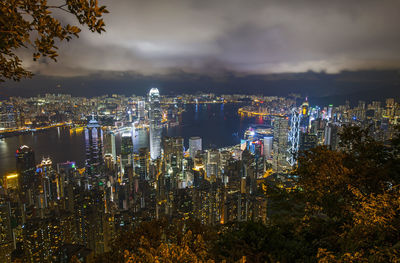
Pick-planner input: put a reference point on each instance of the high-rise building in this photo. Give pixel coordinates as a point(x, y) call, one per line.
point(7, 116)
point(66, 172)
point(194, 146)
point(155, 124)
point(294, 135)
point(126, 150)
point(177, 149)
point(49, 187)
point(268, 142)
point(307, 141)
point(280, 144)
point(212, 167)
point(141, 107)
point(109, 144)
point(94, 147)
point(332, 136)
point(25, 166)
point(6, 232)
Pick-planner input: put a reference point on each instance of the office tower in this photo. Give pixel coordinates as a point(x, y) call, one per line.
point(268, 142)
point(109, 144)
point(7, 116)
point(307, 141)
point(126, 150)
point(94, 147)
point(6, 232)
point(167, 147)
point(66, 172)
point(155, 124)
point(360, 111)
point(294, 135)
point(177, 149)
point(25, 167)
point(109, 162)
point(141, 107)
point(194, 146)
point(141, 164)
point(280, 144)
point(212, 167)
point(140, 137)
point(332, 136)
point(49, 187)
point(318, 128)
point(330, 111)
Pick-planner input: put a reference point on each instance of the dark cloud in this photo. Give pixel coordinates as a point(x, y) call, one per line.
point(252, 36)
point(320, 87)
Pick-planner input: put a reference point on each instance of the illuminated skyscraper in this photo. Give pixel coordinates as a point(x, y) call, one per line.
point(332, 135)
point(194, 146)
point(268, 142)
point(155, 124)
point(94, 147)
point(109, 144)
point(141, 106)
point(280, 144)
point(294, 135)
point(25, 166)
point(213, 161)
point(49, 188)
point(126, 150)
point(6, 232)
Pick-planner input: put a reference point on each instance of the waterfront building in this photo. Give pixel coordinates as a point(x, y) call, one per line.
point(26, 166)
point(94, 147)
point(155, 124)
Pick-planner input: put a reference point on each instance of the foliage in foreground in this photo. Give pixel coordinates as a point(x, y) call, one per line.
point(38, 26)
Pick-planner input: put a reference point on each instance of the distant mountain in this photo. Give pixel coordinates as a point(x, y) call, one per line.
point(318, 86)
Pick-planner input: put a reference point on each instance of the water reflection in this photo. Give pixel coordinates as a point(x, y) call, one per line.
point(219, 125)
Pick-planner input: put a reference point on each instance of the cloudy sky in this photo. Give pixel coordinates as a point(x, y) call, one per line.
point(244, 36)
point(229, 46)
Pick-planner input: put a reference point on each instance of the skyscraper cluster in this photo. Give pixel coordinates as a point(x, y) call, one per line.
point(51, 212)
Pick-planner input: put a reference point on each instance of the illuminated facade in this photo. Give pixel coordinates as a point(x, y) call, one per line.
point(126, 150)
point(268, 142)
point(155, 124)
point(94, 147)
point(293, 136)
point(25, 166)
point(195, 145)
point(141, 107)
point(280, 143)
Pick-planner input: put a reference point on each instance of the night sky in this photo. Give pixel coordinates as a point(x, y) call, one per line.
point(268, 47)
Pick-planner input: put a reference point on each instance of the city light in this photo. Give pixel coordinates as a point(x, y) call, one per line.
point(11, 176)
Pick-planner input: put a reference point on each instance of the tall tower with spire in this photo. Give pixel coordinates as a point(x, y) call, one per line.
point(155, 124)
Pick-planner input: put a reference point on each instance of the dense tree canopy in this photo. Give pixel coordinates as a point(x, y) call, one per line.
point(32, 24)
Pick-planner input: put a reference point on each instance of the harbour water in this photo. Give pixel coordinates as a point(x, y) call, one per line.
point(218, 125)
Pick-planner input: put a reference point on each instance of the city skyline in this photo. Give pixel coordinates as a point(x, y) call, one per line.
point(199, 131)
